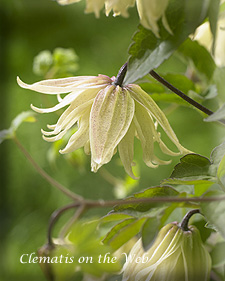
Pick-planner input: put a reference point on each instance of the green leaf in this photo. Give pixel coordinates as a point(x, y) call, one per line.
point(216, 116)
point(149, 232)
point(217, 255)
point(157, 191)
point(152, 87)
point(148, 51)
point(210, 93)
point(215, 211)
point(169, 98)
point(120, 235)
point(214, 8)
point(117, 228)
point(201, 186)
point(198, 54)
point(26, 116)
point(216, 157)
point(114, 217)
point(205, 232)
point(180, 81)
point(192, 165)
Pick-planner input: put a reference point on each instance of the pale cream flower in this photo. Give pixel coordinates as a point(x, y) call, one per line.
point(107, 116)
point(176, 255)
point(204, 36)
point(150, 11)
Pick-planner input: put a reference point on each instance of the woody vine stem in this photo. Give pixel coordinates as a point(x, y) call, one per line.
point(81, 204)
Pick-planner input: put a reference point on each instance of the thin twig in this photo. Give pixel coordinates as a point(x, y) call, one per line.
point(55, 216)
point(46, 176)
point(180, 93)
point(122, 73)
point(110, 203)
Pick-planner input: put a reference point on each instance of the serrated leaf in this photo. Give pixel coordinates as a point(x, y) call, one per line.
point(215, 211)
point(158, 191)
point(117, 237)
point(26, 116)
point(148, 51)
point(216, 116)
point(201, 186)
point(149, 231)
point(217, 255)
point(198, 54)
point(192, 165)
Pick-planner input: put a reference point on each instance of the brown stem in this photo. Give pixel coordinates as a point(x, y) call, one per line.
point(46, 176)
point(55, 216)
point(86, 204)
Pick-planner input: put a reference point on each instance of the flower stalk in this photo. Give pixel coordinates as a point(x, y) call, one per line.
point(185, 221)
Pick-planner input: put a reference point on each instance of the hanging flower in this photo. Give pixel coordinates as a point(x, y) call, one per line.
point(108, 116)
point(204, 36)
point(150, 11)
point(174, 256)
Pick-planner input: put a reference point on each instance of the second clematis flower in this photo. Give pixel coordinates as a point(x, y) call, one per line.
point(150, 11)
point(108, 116)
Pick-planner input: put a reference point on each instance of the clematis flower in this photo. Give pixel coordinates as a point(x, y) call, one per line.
point(174, 256)
point(204, 36)
point(150, 11)
point(108, 116)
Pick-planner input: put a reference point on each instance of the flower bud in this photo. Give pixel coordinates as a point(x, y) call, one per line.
point(175, 255)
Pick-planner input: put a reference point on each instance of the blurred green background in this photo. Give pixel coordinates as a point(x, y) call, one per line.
point(27, 201)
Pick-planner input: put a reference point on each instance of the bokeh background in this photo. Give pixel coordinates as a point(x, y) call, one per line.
point(28, 27)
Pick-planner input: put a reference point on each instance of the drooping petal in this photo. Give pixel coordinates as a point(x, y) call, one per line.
point(119, 7)
point(94, 6)
point(126, 150)
point(65, 85)
point(80, 100)
point(111, 116)
point(67, 2)
point(76, 98)
point(65, 101)
point(146, 133)
point(80, 137)
point(68, 121)
point(150, 11)
point(145, 100)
